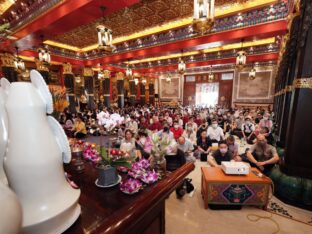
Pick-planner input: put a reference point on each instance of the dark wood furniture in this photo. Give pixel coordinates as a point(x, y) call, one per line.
point(108, 210)
point(217, 188)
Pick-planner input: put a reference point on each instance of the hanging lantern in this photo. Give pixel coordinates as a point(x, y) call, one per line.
point(136, 81)
point(105, 38)
point(204, 13)
point(241, 59)
point(181, 66)
point(78, 79)
point(128, 72)
point(210, 75)
point(252, 73)
point(100, 74)
point(44, 55)
point(19, 64)
point(168, 78)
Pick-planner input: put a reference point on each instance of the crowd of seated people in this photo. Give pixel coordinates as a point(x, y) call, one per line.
point(207, 134)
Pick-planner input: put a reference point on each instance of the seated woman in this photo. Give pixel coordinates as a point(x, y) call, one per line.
point(79, 128)
point(144, 144)
point(220, 155)
point(127, 145)
point(204, 145)
point(190, 134)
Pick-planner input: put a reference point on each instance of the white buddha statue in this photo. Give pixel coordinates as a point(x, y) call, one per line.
point(33, 162)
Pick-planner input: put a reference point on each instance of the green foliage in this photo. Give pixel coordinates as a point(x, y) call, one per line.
point(114, 162)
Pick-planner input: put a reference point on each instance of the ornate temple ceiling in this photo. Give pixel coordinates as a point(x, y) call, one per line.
point(4, 5)
point(138, 17)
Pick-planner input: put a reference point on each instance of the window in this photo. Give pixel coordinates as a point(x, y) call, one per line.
point(227, 76)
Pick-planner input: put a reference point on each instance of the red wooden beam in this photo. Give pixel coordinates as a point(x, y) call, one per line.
point(66, 16)
point(253, 32)
point(251, 58)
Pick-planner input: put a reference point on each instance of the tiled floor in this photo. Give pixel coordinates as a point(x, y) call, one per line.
point(189, 216)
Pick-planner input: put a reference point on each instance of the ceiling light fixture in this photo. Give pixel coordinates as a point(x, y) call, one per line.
point(18, 62)
point(252, 73)
point(210, 75)
point(181, 65)
point(105, 36)
point(43, 53)
point(241, 57)
point(204, 13)
point(129, 71)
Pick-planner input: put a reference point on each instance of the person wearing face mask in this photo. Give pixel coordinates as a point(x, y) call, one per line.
point(238, 125)
point(266, 122)
point(202, 127)
point(215, 133)
point(144, 144)
point(220, 155)
point(262, 155)
point(176, 130)
point(165, 132)
point(203, 146)
point(247, 129)
point(190, 134)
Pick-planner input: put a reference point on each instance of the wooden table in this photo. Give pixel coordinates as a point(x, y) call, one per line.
point(220, 189)
point(108, 210)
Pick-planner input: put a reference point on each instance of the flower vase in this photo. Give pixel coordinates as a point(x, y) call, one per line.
point(160, 166)
point(107, 175)
point(78, 162)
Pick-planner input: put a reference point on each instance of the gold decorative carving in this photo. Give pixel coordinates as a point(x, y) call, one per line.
point(7, 60)
point(120, 76)
point(87, 71)
point(67, 68)
point(137, 18)
point(106, 74)
point(303, 83)
point(41, 66)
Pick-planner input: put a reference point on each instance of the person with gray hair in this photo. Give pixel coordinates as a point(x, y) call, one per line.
point(187, 147)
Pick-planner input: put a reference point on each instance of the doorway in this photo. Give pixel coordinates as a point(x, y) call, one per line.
point(207, 94)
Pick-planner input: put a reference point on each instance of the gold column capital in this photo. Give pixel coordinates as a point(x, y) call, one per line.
point(120, 76)
point(67, 68)
point(87, 71)
point(41, 66)
point(7, 60)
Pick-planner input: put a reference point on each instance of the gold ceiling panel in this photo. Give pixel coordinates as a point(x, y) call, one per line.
point(139, 17)
point(4, 5)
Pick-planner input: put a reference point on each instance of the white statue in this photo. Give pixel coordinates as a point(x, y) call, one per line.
point(4, 88)
point(33, 162)
point(10, 211)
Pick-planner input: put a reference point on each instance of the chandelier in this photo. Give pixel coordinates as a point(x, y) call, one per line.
point(210, 75)
point(204, 12)
point(44, 53)
point(105, 36)
point(128, 72)
point(18, 62)
point(241, 58)
point(168, 78)
point(100, 74)
point(136, 81)
point(252, 73)
point(181, 65)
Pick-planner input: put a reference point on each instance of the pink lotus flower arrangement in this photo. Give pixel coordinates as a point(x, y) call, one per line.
point(90, 153)
point(149, 177)
point(130, 186)
point(140, 170)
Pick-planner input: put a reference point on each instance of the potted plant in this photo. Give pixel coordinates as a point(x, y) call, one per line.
point(106, 167)
point(161, 146)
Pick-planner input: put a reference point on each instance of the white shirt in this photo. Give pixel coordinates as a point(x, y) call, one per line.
point(215, 134)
